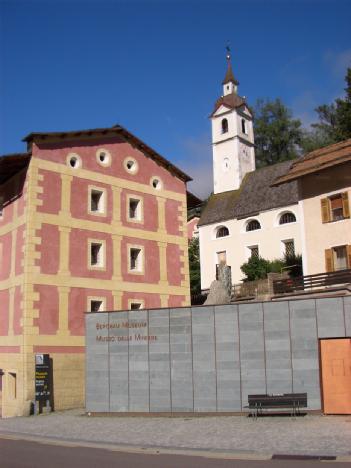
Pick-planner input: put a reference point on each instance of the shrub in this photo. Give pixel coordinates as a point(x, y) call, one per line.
point(258, 268)
point(255, 268)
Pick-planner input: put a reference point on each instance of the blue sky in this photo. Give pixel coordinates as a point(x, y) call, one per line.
point(156, 67)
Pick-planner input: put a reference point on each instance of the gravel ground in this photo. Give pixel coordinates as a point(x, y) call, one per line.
point(308, 435)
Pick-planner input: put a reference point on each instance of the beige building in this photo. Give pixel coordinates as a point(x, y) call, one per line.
point(324, 179)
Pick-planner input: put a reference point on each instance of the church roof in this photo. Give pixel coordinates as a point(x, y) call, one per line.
point(318, 160)
point(255, 195)
point(232, 101)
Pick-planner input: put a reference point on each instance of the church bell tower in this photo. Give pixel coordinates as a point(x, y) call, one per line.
point(232, 136)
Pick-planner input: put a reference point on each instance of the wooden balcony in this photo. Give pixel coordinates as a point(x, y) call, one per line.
point(312, 282)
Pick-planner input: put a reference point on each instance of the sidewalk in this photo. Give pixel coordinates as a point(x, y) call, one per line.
point(308, 435)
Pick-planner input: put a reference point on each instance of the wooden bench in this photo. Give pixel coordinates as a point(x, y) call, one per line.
point(292, 401)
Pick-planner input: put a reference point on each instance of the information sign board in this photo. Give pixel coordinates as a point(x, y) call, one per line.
point(42, 377)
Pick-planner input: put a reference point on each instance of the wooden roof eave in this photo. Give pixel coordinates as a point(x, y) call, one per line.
point(307, 171)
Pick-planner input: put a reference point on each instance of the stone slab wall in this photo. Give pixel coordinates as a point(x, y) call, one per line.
point(208, 358)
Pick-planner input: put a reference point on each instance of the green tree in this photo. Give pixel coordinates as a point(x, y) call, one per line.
point(343, 111)
point(194, 266)
point(334, 122)
point(277, 134)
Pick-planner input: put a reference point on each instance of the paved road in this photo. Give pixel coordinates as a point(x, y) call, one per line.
point(24, 454)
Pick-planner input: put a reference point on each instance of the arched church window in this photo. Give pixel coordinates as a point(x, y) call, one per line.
point(253, 225)
point(224, 126)
point(287, 218)
point(243, 125)
point(222, 232)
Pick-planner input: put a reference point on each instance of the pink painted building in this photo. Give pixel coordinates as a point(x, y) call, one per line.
point(90, 220)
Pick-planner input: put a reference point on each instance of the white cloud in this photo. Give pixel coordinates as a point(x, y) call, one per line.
point(198, 164)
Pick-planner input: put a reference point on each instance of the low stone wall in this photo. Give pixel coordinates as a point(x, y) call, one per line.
point(258, 289)
point(208, 358)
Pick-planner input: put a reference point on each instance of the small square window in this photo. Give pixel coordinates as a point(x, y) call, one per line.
point(336, 207)
point(136, 304)
point(340, 258)
point(254, 252)
point(96, 305)
point(97, 201)
point(289, 248)
point(97, 254)
point(135, 259)
point(222, 257)
point(134, 209)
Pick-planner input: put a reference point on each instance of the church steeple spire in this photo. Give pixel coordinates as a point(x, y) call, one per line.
point(232, 136)
point(230, 84)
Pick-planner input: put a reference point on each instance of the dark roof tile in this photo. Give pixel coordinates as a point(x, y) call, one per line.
point(255, 195)
point(232, 101)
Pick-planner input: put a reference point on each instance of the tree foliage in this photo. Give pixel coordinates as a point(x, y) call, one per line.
point(334, 122)
point(194, 266)
point(279, 137)
point(277, 134)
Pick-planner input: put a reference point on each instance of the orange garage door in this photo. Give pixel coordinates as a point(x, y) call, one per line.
point(336, 375)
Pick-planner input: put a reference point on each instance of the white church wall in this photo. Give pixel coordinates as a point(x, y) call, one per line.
point(269, 239)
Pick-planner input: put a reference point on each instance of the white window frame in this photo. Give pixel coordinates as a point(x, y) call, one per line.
point(141, 262)
point(103, 200)
point(140, 209)
point(277, 222)
point(283, 245)
point(216, 229)
point(102, 263)
point(136, 301)
point(248, 250)
point(248, 221)
point(107, 155)
point(77, 158)
point(91, 299)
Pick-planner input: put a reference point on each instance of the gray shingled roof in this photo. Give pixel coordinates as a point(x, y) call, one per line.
point(255, 195)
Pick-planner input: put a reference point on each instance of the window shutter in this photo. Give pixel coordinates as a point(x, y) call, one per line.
point(348, 248)
point(345, 205)
point(329, 263)
point(325, 210)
